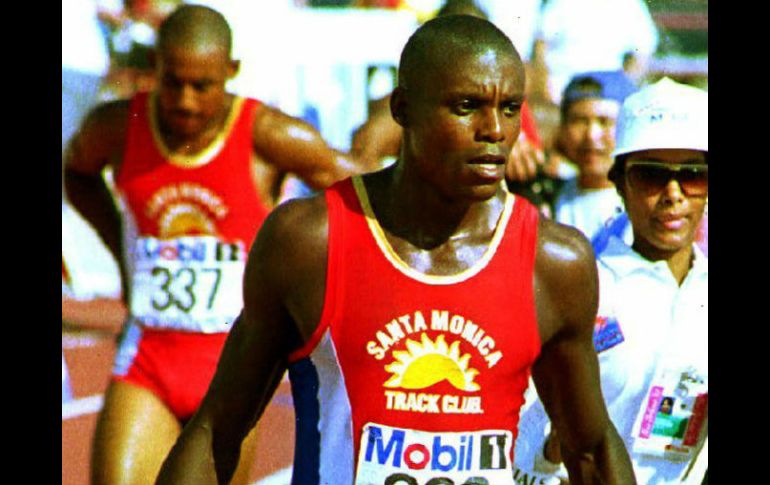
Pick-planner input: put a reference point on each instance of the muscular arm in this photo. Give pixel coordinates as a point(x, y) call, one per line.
point(292, 145)
point(567, 372)
point(283, 299)
point(98, 143)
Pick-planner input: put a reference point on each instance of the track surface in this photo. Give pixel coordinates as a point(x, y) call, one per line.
point(89, 356)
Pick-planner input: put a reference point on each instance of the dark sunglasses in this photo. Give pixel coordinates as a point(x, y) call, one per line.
point(652, 177)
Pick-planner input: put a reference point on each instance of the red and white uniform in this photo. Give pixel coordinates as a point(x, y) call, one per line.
point(189, 223)
point(412, 377)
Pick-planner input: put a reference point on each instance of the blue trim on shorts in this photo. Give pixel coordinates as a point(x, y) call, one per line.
point(307, 447)
point(128, 347)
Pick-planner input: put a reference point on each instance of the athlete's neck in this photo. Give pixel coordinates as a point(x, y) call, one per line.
point(195, 143)
point(414, 211)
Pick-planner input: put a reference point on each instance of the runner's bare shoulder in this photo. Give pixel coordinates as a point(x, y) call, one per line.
point(288, 261)
point(101, 138)
point(565, 277)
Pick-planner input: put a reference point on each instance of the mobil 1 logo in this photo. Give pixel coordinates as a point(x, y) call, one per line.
point(398, 456)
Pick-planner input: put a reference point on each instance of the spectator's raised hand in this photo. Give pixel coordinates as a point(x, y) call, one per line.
point(524, 161)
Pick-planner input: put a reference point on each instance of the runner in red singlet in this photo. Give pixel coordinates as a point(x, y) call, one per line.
point(412, 304)
point(196, 171)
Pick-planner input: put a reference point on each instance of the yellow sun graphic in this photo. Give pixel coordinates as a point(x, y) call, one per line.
point(184, 220)
point(427, 362)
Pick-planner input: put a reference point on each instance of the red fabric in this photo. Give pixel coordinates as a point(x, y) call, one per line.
point(220, 193)
point(369, 294)
point(529, 126)
point(168, 200)
point(163, 364)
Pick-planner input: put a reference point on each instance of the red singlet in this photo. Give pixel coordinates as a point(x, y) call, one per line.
point(412, 374)
point(189, 223)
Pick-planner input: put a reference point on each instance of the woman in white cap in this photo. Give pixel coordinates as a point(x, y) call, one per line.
point(651, 331)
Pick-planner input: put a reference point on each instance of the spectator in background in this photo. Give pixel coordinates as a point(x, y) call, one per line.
point(651, 332)
point(577, 36)
point(586, 137)
point(197, 169)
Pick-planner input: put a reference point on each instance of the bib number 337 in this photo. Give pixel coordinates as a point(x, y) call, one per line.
point(190, 283)
point(178, 288)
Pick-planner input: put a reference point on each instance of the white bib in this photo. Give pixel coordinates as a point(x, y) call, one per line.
point(397, 456)
point(189, 283)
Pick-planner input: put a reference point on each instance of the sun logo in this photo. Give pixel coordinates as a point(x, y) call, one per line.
point(426, 363)
point(184, 219)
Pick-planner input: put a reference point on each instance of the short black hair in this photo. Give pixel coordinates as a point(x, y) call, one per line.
point(588, 87)
point(195, 26)
point(618, 169)
point(612, 85)
point(462, 7)
point(437, 39)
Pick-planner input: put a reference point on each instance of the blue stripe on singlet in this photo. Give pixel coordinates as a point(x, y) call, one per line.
point(307, 447)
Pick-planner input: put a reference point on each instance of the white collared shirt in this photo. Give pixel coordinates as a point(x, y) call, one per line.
point(662, 324)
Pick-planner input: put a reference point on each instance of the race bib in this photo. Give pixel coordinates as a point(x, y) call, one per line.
point(397, 456)
point(190, 283)
point(673, 415)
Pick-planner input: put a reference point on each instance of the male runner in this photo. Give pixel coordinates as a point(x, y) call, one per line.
point(410, 305)
point(196, 170)
point(379, 137)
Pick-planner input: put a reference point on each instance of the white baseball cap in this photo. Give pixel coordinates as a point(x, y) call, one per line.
point(666, 114)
